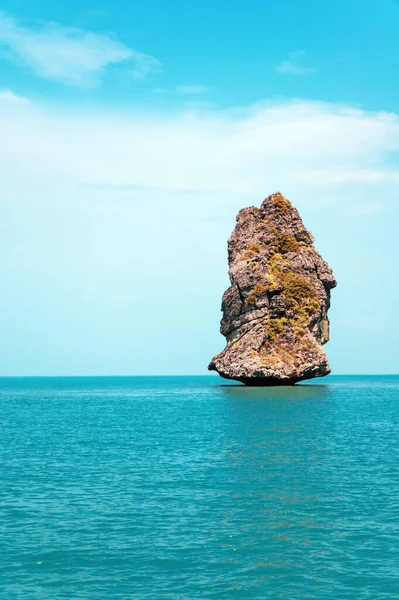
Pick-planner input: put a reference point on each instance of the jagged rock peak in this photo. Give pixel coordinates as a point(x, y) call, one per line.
point(275, 310)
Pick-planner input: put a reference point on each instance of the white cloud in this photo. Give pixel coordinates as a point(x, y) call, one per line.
point(191, 89)
point(144, 64)
point(294, 146)
point(293, 66)
point(231, 150)
point(69, 55)
point(9, 96)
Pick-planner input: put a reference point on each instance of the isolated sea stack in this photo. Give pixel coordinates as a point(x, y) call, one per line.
point(275, 311)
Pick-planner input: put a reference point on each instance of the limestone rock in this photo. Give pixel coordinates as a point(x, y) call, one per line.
point(275, 311)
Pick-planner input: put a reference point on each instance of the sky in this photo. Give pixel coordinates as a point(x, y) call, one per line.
point(132, 133)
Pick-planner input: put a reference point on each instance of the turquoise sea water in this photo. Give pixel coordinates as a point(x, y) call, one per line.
point(190, 487)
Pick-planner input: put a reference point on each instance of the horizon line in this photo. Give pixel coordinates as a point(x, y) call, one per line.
point(180, 375)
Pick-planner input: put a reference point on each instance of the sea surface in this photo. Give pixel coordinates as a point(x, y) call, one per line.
point(190, 487)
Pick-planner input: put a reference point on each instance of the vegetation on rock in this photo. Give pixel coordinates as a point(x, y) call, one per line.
point(282, 204)
point(257, 292)
point(287, 243)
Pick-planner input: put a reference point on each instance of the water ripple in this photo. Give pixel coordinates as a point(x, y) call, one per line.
point(185, 488)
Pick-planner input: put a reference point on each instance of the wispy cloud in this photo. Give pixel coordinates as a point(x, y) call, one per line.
point(293, 66)
point(184, 90)
point(312, 144)
point(69, 55)
point(191, 89)
point(9, 96)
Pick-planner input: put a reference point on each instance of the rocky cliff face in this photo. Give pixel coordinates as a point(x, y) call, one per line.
point(275, 311)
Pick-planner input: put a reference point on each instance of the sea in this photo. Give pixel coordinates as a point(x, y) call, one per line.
point(136, 488)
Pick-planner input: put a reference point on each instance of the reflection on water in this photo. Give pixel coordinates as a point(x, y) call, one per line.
point(285, 393)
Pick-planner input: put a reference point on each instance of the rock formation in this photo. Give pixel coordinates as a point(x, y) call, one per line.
point(275, 310)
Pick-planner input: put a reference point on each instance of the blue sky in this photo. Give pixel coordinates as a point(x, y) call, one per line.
point(133, 133)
